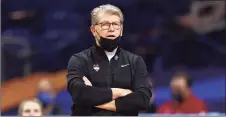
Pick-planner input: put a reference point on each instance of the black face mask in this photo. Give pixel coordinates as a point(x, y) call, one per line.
point(109, 44)
point(177, 97)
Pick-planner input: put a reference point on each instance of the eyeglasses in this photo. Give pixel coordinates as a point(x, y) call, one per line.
point(107, 25)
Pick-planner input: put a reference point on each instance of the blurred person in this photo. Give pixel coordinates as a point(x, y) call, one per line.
point(184, 101)
point(106, 79)
point(31, 107)
point(47, 96)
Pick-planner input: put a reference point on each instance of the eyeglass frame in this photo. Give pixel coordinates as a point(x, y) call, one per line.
point(111, 24)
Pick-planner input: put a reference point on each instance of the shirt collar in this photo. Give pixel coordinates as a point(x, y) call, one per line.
point(99, 53)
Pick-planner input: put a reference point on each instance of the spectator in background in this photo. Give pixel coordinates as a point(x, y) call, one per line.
point(47, 96)
point(30, 108)
point(184, 101)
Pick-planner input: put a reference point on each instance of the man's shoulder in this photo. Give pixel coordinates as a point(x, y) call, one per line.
point(199, 104)
point(197, 100)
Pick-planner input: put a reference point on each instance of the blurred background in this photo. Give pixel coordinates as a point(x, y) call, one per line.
point(39, 36)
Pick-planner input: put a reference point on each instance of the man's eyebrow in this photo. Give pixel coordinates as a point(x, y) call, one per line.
point(104, 21)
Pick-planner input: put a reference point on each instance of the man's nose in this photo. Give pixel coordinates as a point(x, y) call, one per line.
point(111, 28)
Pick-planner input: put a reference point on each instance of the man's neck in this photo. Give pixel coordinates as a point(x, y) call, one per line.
point(110, 55)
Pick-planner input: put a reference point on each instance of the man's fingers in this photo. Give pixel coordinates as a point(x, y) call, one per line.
point(126, 92)
point(121, 92)
point(87, 82)
point(84, 78)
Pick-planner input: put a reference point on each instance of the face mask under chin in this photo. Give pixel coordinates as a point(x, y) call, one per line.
point(109, 44)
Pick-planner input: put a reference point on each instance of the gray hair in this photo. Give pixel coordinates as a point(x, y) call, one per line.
point(107, 8)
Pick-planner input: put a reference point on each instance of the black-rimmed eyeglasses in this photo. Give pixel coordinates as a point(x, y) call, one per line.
point(107, 25)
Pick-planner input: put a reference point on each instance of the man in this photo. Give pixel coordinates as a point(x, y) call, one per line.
point(184, 100)
point(105, 79)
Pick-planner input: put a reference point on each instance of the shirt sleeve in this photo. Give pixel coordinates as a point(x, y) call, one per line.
point(85, 96)
point(140, 98)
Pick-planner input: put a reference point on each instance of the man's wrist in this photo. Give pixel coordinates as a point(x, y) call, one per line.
point(115, 93)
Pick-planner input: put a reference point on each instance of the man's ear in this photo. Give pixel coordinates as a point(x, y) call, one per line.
point(92, 29)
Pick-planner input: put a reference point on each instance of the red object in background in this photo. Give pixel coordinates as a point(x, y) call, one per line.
point(190, 105)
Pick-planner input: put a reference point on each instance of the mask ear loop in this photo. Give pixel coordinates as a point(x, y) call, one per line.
point(95, 36)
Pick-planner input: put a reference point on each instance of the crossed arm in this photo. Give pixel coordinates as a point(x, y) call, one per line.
point(116, 93)
point(112, 99)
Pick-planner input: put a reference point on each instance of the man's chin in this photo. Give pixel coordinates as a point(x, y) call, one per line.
point(112, 38)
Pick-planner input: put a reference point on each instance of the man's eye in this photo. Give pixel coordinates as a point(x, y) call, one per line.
point(117, 24)
point(105, 24)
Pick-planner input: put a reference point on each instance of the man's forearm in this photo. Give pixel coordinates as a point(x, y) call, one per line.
point(118, 92)
point(110, 106)
point(134, 102)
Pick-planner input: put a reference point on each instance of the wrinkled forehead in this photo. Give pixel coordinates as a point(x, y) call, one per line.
point(31, 105)
point(107, 17)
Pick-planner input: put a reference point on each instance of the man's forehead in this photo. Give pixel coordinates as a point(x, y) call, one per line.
point(178, 82)
point(104, 17)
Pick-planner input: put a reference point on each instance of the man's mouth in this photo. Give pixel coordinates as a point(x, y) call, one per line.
point(111, 36)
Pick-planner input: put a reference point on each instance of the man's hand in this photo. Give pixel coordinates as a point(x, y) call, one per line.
point(118, 92)
point(110, 106)
point(86, 81)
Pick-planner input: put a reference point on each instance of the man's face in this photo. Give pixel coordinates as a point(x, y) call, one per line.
point(178, 85)
point(109, 26)
point(44, 85)
point(31, 109)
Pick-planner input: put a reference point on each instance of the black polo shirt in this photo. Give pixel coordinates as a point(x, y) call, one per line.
point(124, 70)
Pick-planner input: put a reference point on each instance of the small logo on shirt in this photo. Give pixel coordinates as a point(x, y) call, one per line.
point(124, 65)
point(96, 67)
point(116, 57)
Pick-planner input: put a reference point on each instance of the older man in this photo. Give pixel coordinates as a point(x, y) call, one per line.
point(105, 79)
